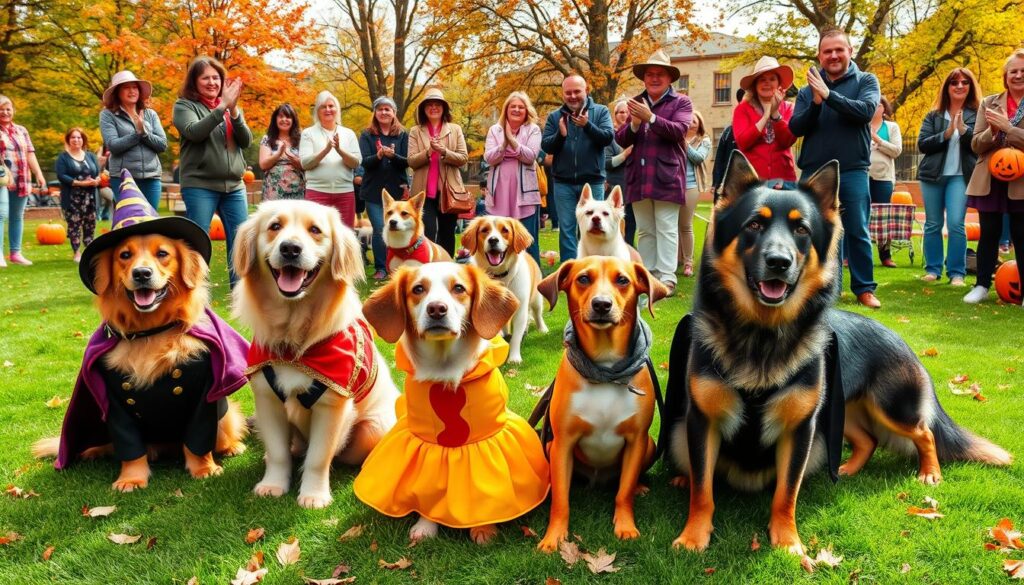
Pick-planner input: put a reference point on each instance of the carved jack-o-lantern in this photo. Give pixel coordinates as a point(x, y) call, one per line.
point(1007, 164)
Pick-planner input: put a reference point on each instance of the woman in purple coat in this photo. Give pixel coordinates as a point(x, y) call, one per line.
point(656, 170)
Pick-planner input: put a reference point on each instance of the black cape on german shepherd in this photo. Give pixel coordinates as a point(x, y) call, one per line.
point(766, 379)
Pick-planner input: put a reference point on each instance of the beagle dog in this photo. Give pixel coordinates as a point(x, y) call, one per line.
point(603, 399)
point(498, 245)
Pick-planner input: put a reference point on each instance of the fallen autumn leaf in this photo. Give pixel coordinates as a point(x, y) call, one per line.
point(123, 538)
point(401, 564)
point(288, 552)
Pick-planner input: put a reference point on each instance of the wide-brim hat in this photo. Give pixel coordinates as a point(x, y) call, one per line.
point(433, 94)
point(768, 65)
point(133, 215)
point(122, 77)
point(660, 59)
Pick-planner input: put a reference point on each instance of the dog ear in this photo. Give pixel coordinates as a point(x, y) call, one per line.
point(102, 271)
point(824, 185)
point(493, 304)
point(386, 198)
point(417, 201)
point(385, 309)
point(521, 238)
point(244, 254)
point(646, 283)
point(585, 195)
point(193, 268)
point(469, 235)
point(549, 287)
point(346, 254)
point(739, 177)
point(616, 197)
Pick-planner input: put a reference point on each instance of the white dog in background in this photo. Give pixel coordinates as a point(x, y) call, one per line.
point(599, 223)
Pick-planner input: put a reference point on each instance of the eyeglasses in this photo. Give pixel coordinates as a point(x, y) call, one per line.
point(963, 82)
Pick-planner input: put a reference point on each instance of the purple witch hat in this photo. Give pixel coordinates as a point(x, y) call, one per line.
point(133, 215)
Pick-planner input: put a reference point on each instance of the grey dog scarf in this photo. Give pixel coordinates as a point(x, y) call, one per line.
point(622, 371)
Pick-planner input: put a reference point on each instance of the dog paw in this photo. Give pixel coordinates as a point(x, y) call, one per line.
point(641, 490)
point(233, 450)
point(269, 490)
point(785, 537)
point(422, 530)
point(680, 481)
point(483, 534)
point(930, 477)
point(514, 359)
point(315, 501)
point(847, 470)
point(210, 470)
point(627, 531)
point(693, 539)
point(552, 539)
point(126, 485)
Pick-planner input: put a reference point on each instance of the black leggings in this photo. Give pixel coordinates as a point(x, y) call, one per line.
point(440, 227)
point(988, 244)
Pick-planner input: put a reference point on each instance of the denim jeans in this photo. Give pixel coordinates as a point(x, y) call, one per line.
point(881, 192)
point(14, 213)
point(375, 211)
point(232, 207)
point(947, 196)
point(854, 211)
point(151, 188)
point(532, 225)
point(566, 198)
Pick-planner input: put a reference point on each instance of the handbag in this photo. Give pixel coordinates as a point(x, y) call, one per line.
point(455, 199)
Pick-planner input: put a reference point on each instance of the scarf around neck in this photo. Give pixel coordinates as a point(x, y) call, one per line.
point(622, 371)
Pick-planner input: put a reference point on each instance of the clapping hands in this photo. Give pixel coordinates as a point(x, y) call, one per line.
point(819, 90)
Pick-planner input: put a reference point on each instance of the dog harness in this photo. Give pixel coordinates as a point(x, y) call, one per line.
point(342, 363)
point(417, 251)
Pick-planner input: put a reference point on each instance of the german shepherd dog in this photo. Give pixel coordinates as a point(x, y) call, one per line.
point(766, 379)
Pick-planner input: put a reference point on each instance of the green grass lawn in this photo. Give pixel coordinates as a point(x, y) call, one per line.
point(46, 316)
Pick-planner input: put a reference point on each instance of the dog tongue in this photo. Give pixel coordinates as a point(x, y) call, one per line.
point(289, 280)
point(494, 258)
point(772, 289)
point(144, 297)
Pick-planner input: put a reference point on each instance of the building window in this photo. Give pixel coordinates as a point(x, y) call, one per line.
point(723, 89)
point(683, 85)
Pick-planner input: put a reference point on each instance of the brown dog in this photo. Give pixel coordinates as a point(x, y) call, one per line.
point(600, 422)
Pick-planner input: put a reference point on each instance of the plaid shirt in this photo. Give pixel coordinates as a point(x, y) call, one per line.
point(657, 167)
point(14, 142)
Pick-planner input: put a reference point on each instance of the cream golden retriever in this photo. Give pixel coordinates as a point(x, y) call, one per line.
point(314, 370)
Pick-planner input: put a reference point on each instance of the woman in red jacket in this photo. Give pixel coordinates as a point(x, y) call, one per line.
point(760, 123)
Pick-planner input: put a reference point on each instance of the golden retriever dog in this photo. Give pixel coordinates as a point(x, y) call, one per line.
point(498, 245)
point(152, 361)
point(314, 370)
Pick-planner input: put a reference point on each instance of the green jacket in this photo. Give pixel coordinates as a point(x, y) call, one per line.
point(204, 159)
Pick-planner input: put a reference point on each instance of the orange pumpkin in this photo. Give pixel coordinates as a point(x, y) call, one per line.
point(901, 198)
point(1008, 282)
point(51, 234)
point(973, 230)
point(248, 176)
point(105, 179)
point(1007, 164)
point(217, 228)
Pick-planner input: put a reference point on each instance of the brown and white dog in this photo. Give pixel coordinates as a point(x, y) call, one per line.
point(599, 223)
point(498, 245)
point(403, 233)
point(600, 428)
point(314, 370)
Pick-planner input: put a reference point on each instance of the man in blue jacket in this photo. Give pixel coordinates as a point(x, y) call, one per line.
point(575, 135)
point(833, 114)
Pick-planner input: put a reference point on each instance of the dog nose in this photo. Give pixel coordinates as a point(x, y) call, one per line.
point(492, 240)
point(290, 250)
point(601, 305)
point(778, 261)
point(142, 274)
point(437, 310)
point(393, 224)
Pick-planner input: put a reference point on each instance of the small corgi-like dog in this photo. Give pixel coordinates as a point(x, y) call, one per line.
point(403, 234)
point(599, 223)
point(498, 245)
point(603, 399)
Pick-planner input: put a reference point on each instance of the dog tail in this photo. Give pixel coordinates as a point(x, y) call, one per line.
point(954, 443)
point(47, 447)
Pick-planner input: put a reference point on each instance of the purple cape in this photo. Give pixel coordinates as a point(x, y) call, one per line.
point(85, 422)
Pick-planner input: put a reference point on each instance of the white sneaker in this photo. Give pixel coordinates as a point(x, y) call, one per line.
point(977, 294)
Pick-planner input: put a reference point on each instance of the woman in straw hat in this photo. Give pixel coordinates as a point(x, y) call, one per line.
point(437, 149)
point(760, 122)
point(656, 169)
point(133, 134)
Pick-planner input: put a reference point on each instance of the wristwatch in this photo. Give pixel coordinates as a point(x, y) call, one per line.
point(774, 119)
